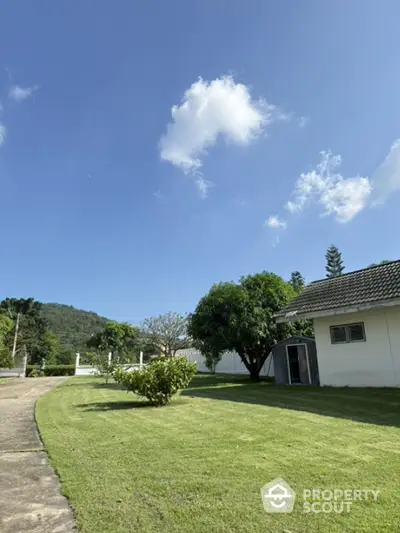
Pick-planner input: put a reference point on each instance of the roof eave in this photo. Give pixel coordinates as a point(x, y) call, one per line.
point(340, 310)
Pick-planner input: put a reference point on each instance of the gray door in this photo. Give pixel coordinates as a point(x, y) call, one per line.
point(303, 364)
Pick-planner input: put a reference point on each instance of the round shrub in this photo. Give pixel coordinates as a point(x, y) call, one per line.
point(160, 380)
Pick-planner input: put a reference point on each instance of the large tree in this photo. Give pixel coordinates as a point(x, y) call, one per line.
point(334, 264)
point(30, 332)
point(301, 327)
point(241, 317)
point(6, 328)
point(117, 338)
point(167, 333)
point(297, 281)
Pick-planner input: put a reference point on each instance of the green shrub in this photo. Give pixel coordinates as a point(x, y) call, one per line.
point(158, 381)
point(35, 373)
point(51, 370)
point(6, 361)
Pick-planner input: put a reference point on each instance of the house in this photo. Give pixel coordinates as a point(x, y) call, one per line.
point(356, 324)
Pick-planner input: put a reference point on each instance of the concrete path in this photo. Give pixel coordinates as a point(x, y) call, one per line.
point(30, 498)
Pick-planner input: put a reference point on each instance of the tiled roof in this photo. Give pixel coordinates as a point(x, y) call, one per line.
point(373, 284)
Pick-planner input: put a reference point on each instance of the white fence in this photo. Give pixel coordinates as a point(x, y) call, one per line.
point(230, 363)
point(17, 372)
point(88, 370)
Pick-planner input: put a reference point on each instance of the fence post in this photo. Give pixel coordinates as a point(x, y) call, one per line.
point(77, 361)
point(141, 360)
point(23, 366)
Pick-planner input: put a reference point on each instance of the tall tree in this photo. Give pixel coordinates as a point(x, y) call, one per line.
point(167, 333)
point(118, 338)
point(32, 333)
point(334, 264)
point(241, 317)
point(297, 281)
point(6, 328)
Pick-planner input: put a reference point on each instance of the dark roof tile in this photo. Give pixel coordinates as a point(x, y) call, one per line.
point(380, 282)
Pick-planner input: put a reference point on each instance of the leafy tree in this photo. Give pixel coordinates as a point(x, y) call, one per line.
point(211, 360)
point(297, 281)
point(32, 330)
point(167, 333)
point(6, 327)
point(305, 328)
point(65, 356)
point(241, 317)
point(48, 347)
point(119, 339)
point(334, 263)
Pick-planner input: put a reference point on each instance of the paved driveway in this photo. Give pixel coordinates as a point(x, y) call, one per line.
point(30, 498)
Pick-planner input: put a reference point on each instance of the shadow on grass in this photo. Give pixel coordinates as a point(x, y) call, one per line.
point(129, 404)
point(368, 405)
point(113, 406)
point(95, 384)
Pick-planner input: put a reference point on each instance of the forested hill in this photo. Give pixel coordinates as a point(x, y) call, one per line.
point(72, 326)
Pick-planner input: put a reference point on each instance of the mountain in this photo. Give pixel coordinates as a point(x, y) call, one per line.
point(72, 326)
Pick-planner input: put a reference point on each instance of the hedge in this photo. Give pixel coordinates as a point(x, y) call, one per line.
point(52, 370)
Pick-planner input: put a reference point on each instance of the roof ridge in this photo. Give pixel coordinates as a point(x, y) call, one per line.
point(356, 271)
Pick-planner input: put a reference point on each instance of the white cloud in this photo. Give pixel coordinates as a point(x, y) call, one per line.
point(208, 111)
point(19, 93)
point(3, 133)
point(202, 185)
point(339, 196)
point(344, 197)
point(274, 222)
point(386, 179)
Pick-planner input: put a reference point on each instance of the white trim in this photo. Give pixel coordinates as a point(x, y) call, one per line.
point(307, 358)
point(339, 311)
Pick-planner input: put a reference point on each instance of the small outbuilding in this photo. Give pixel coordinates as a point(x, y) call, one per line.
point(295, 361)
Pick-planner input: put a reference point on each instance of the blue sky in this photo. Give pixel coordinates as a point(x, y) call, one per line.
point(114, 200)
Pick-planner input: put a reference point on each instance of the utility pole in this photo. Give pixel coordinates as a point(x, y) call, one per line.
point(15, 337)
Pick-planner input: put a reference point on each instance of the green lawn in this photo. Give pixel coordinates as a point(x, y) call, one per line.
point(197, 465)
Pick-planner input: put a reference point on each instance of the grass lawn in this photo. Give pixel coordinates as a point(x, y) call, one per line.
point(197, 465)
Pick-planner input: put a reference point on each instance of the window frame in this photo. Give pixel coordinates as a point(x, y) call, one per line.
point(347, 332)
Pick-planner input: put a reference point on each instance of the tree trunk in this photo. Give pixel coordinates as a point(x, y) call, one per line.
point(254, 362)
point(254, 372)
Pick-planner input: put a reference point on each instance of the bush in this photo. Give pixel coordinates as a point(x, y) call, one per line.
point(50, 370)
point(35, 373)
point(158, 381)
point(6, 361)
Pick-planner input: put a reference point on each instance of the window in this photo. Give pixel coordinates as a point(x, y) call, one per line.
point(347, 333)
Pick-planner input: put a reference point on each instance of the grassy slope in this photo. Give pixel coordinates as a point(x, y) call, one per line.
point(198, 464)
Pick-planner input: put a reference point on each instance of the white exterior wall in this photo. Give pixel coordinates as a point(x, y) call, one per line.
point(230, 363)
point(373, 363)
